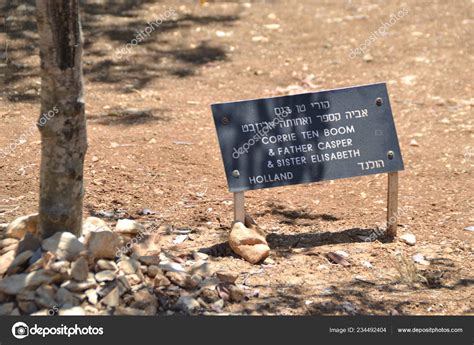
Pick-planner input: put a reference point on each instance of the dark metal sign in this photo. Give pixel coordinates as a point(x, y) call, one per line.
point(309, 137)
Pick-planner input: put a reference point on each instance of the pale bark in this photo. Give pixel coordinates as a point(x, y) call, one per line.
point(63, 136)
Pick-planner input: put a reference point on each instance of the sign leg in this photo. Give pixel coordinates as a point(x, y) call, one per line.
point(392, 204)
point(239, 207)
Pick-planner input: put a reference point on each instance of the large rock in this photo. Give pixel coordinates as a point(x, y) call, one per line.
point(80, 269)
point(20, 260)
point(7, 242)
point(408, 238)
point(146, 244)
point(105, 265)
point(45, 296)
point(64, 245)
point(153, 271)
point(144, 300)
point(17, 283)
point(128, 266)
point(236, 293)
point(227, 276)
point(29, 242)
point(171, 266)
point(20, 226)
point(79, 286)
point(149, 260)
point(183, 280)
point(64, 297)
point(123, 285)
point(250, 244)
point(93, 224)
point(105, 276)
point(103, 244)
point(5, 261)
point(92, 296)
point(128, 226)
point(6, 308)
point(12, 247)
point(112, 299)
point(27, 307)
point(61, 266)
point(161, 281)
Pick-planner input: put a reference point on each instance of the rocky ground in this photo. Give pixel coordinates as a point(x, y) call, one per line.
point(105, 272)
point(153, 158)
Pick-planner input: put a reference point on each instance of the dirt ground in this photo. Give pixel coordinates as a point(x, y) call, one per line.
point(152, 142)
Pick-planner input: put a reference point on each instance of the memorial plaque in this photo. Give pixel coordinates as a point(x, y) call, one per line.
point(308, 137)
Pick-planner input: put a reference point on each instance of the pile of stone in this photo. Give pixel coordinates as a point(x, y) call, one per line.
point(106, 272)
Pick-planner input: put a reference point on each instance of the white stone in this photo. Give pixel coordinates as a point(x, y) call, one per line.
point(129, 266)
point(409, 239)
point(18, 228)
point(367, 58)
point(200, 256)
point(92, 224)
point(171, 266)
point(105, 276)
point(102, 265)
point(112, 299)
point(21, 259)
point(128, 226)
point(103, 244)
point(249, 243)
point(15, 284)
point(64, 245)
point(92, 296)
point(342, 253)
point(420, 259)
point(408, 79)
point(6, 260)
point(74, 311)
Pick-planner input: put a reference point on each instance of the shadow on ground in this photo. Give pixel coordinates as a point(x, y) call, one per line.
point(153, 58)
point(355, 298)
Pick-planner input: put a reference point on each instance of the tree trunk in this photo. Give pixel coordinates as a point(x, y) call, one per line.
point(62, 122)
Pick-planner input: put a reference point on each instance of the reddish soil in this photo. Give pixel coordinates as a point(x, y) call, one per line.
point(152, 142)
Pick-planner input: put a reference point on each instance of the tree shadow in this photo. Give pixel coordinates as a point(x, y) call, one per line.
point(292, 216)
point(219, 250)
point(128, 117)
point(355, 298)
point(146, 68)
point(155, 57)
point(311, 239)
point(283, 243)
